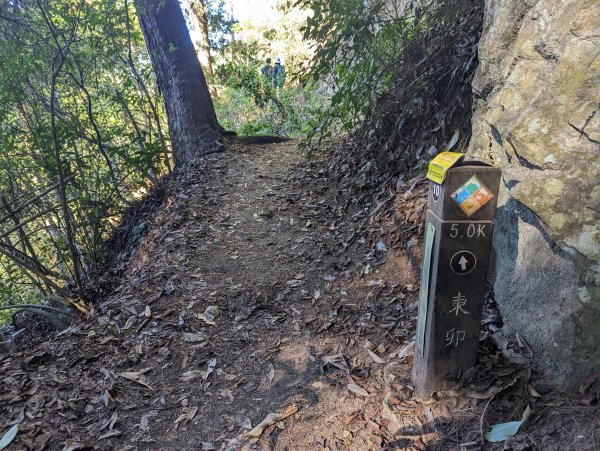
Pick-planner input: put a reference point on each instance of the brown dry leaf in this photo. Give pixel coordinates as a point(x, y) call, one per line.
point(271, 373)
point(429, 415)
point(525, 418)
point(384, 422)
point(135, 376)
point(145, 420)
point(210, 368)
point(109, 434)
point(375, 357)
point(338, 361)
point(113, 420)
point(206, 319)
point(533, 392)
point(358, 390)
point(445, 413)
point(190, 375)
point(188, 416)
point(190, 337)
point(243, 421)
point(350, 418)
point(226, 393)
point(129, 322)
point(393, 400)
point(407, 351)
point(409, 404)
point(106, 397)
point(72, 445)
point(270, 419)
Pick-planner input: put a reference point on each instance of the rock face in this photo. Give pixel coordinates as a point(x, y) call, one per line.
point(537, 116)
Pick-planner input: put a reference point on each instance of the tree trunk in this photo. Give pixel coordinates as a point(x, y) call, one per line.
point(200, 19)
point(190, 111)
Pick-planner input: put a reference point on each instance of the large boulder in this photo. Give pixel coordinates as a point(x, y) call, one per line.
point(537, 116)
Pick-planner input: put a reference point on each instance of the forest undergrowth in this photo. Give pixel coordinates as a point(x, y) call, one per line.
point(264, 296)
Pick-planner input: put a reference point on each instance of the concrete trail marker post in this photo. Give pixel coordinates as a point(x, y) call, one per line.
point(458, 240)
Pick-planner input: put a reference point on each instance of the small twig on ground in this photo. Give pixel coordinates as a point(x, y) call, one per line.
point(481, 419)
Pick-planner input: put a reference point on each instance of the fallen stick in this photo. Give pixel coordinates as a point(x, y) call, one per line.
point(270, 419)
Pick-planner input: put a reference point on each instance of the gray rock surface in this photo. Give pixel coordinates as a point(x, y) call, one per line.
point(537, 116)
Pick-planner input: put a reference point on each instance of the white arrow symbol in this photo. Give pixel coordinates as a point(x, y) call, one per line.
point(463, 263)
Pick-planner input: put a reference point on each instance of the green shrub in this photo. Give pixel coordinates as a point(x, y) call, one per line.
point(250, 106)
point(360, 50)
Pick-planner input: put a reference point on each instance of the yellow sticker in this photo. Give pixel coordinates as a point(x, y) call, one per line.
point(440, 165)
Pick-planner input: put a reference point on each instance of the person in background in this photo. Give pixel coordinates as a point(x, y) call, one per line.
point(278, 72)
point(267, 71)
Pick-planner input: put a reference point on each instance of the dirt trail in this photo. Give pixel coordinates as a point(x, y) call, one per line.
point(256, 233)
point(257, 289)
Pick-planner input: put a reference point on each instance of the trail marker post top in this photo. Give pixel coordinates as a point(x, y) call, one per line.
point(457, 246)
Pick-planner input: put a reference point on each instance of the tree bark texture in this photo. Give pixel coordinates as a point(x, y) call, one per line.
point(191, 114)
point(200, 18)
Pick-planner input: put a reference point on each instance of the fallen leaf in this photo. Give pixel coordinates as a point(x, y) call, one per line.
point(243, 421)
point(453, 140)
point(226, 393)
point(212, 363)
point(129, 322)
point(384, 422)
point(212, 312)
point(189, 415)
point(350, 418)
point(271, 373)
point(393, 400)
point(71, 445)
point(533, 392)
point(9, 436)
point(113, 420)
point(190, 375)
point(134, 376)
point(189, 337)
point(109, 434)
point(375, 357)
point(526, 417)
point(358, 390)
point(206, 319)
point(144, 421)
point(381, 246)
point(407, 351)
point(502, 431)
point(338, 361)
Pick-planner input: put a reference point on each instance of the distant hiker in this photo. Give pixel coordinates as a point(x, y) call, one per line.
point(267, 71)
point(278, 75)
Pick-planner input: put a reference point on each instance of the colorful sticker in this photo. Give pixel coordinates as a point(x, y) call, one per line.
point(472, 195)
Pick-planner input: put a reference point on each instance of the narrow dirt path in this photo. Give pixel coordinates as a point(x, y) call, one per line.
point(255, 238)
point(259, 288)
